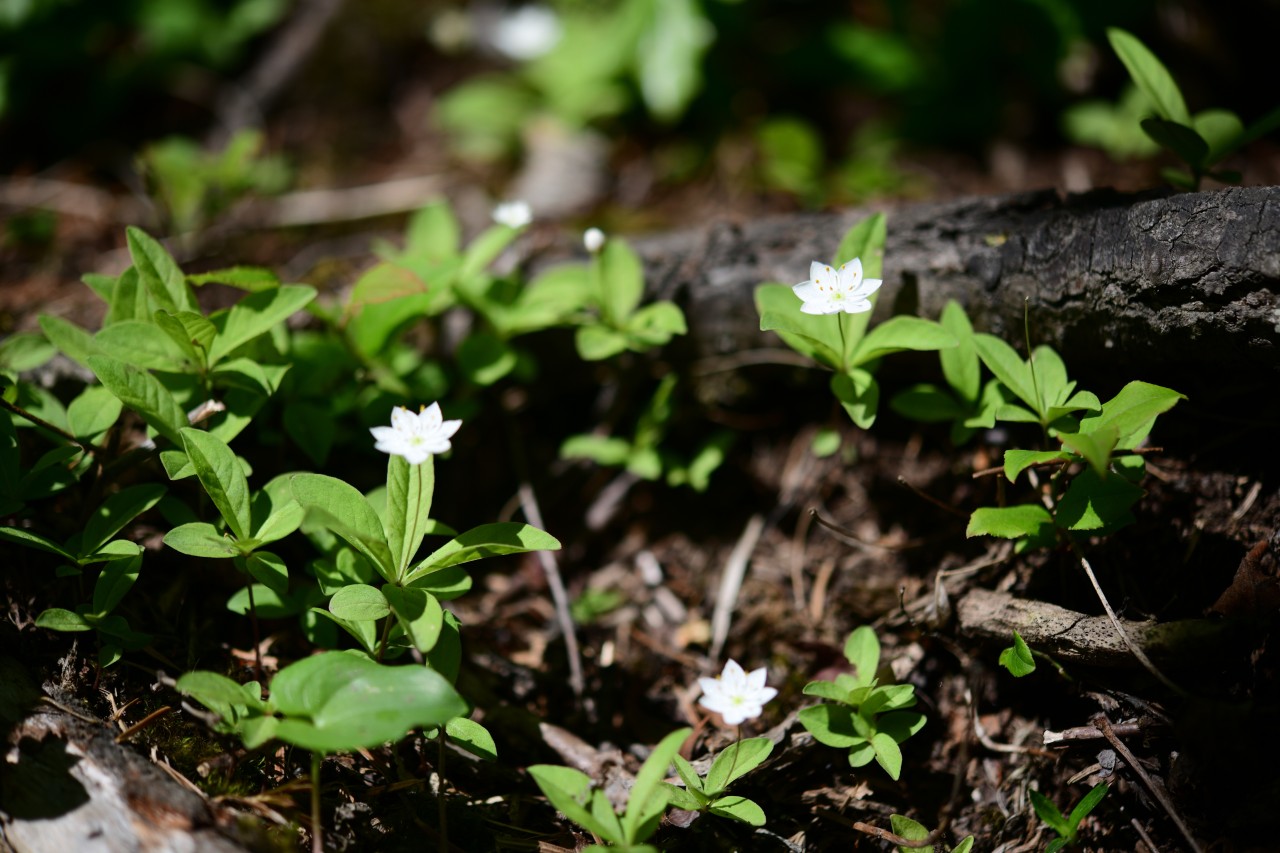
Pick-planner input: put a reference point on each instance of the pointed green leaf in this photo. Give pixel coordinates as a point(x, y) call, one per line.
point(365, 633)
point(1003, 361)
point(1095, 447)
point(862, 649)
point(35, 540)
point(1017, 658)
point(472, 737)
point(814, 335)
point(1086, 805)
point(1180, 139)
point(905, 827)
point(346, 512)
point(256, 314)
point(901, 333)
point(647, 796)
point(94, 411)
point(568, 790)
point(738, 808)
point(1092, 503)
point(487, 540)
point(1132, 411)
point(143, 393)
point(191, 332)
point(859, 394)
point(115, 512)
point(418, 613)
point(73, 341)
point(409, 492)
point(267, 569)
point(159, 272)
point(1149, 73)
point(433, 233)
point(687, 774)
point(116, 578)
point(736, 760)
point(222, 477)
point(621, 281)
point(57, 619)
point(1049, 813)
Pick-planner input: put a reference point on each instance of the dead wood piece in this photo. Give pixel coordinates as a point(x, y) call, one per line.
point(1074, 637)
point(1149, 279)
point(66, 784)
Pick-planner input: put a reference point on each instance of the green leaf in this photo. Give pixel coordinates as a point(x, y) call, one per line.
point(222, 477)
point(683, 798)
point(1049, 813)
point(647, 799)
point(568, 789)
point(73, 341)
point(116, 578)
point(1086, 805)
point(192, 333)
point(247, 278)
point(339, 701)
point(1095, 447)
point(35, 540)
point(603, 450)
point(269, 570)
point(927, 403)
point(1221, 129)
point(267, 603)
point(1003, 361)
point(1010, 522)
point(598, 342)
point(829, 690)
point(866, 242)
point(901, 333)
point(736, 760)
point(143, 393)
point(1180, 139)
point(472, 737)
point(200, 539)
point(280, 521)
point(347, 513)
point(900, 725)
point(1092, 503)
point(859, 394)
point(816, 336)
point(159, 273)
point(862, 649)
point(256, 314)
point(668, 57)
point(960, 364)
point(1132, 411)
point(220, 694)
point(484, 358)
point(418, 613)
point(487, 540)
point(905, 827)
point(738, 808)
point(831, 725)
point(94, 411)
point(409, 492)
point(433, 233)
point(57, 619)
point(483, 249)
point(24, 351)
point(621, 281)
point(689, 776)
point(117, 511)
point(887, 755)
point(1017, 658)
point(1149, 73)
point(140, 343)
point(656, 323)
point(114, 550)
point(359, 602)
point(965, 846)
point(445, 584)
point(365, 633)
point(1017, 461)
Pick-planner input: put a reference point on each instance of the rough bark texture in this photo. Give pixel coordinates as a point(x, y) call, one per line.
point(1138, 280)
point(66, 785)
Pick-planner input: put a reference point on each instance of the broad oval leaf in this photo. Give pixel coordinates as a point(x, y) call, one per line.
point(143, 393)
point(222, 477)
point(159, 272)
point(738, 808)
point(359, 603)
point(200, 539)
point(418, 613)
point(736, 760)
point(256, 314)
point(344, 511)
point(487, 540)
point(57, 619)
point(1017, 658)
point(901, 333)
point(1017, 461)
point(141, 344)
point(472, 737)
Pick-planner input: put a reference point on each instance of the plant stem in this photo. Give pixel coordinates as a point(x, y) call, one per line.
point(257, 643)
point(443, 813)
point(43, 424)
point(382, 641)
point(844, 355)
point(317, 839)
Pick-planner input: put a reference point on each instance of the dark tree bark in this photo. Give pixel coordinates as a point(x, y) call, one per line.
point(1108, 279)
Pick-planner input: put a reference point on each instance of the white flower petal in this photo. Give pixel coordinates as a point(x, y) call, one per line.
point(415, 436)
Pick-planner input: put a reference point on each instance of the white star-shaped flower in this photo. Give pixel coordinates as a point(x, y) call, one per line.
point(735, 695)
point(415, 436)
point(829, 291)
point(513, 214)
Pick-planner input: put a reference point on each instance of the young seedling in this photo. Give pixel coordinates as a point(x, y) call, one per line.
point(570, 791)
point(1067, 827)
point(864, 716)
point(709, 793)
point(911, 830)
point(826, 317)
point(327, 703)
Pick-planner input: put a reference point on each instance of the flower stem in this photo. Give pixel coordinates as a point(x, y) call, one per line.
point(43, 424)
point(844, 353)
point(317, 839)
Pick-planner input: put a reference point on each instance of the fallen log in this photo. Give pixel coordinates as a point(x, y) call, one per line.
point(1153, 279)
